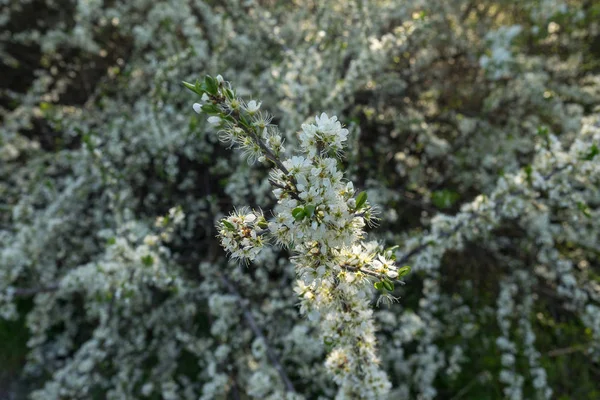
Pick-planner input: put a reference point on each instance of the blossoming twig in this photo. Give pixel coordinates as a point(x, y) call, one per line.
point(320, 218)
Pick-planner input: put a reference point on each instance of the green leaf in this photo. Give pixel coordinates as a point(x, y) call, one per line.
point(309, 209)
point(545, 134)
point(228, 225)
point(111, 241)
point(528, 171)
point(147, 260)
point(262, 223)
point(360, 200)
point(244, 122)
point(378, 285)
point(45, 106)
point(210, 109)
point(444, 198)
point(388, 285)
point(87, 139)
point(298, 213)
point(584, 209)
point(200, 87)
point(190, 86)
point(403, 271)
point(594, 151)
point(211, 85)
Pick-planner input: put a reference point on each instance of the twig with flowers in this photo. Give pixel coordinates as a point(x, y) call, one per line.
point(320, 218)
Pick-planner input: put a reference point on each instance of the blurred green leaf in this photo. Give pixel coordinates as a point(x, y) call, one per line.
point(444, 198)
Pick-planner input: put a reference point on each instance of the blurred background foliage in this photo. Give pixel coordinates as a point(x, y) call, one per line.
point(98, 138)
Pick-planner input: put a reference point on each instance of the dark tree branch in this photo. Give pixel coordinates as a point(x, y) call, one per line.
point(258, 333)
point(25, 292)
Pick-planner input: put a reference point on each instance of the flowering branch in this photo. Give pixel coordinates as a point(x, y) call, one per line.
point(321, 219)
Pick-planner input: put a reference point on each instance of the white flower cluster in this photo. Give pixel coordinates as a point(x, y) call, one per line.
point(319, 217)
point(242, 235)
point(498, 64)
point(320, 207)
point(324, 137)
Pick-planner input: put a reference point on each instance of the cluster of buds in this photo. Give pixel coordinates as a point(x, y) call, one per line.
point(241, 124)
point(242, 234)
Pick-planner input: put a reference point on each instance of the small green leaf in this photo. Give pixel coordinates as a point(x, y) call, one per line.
point(528, 171)
point(388, 285)
point(211, 85)
point(403, 271)
point(309, 209)
point(111, 241)
point(200, 87)
point(228, 225)
point(147, 260)
point(87, 139)
point(584, 209)
point(444, 198)
point(298, 213)
point(360, 200)
point(378, 285)
point(244, 122)
point(190, 86)
point(544, 133)
point(262, 223)
point(594, 151)
point(210, 109)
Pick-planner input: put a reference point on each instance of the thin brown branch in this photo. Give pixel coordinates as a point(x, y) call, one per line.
point(257, 332)
point(364, 271)
point(290, 190)
point(25, 292)
point(565, 351)
point(367, 272)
